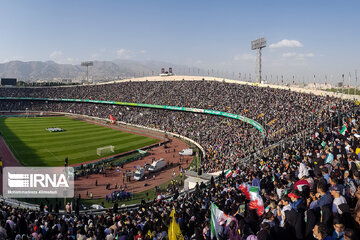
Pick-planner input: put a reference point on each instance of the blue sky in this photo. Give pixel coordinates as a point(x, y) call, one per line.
point(304, 37)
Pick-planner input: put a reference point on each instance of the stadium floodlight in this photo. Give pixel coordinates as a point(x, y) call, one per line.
point(258, 44)
point(87, 65)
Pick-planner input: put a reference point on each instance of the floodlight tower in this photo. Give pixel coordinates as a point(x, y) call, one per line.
point(258, 44)
point(87, 64)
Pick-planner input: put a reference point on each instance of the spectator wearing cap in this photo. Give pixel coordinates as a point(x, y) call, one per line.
point(334, 180)
point(338, 199)
point(297, 202)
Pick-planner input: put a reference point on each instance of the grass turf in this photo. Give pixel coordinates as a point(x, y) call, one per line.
point(33, 145)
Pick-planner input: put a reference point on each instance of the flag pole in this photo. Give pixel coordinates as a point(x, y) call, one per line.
point(342, 90)
point(355, 81)
point(349, 83)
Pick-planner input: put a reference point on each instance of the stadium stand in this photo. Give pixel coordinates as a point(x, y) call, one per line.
point(307, 186)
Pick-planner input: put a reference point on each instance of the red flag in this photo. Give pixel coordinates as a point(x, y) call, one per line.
point(112, 119)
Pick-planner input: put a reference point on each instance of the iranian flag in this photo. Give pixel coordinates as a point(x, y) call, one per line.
point(343, 130)
point(262, 167)
point(245, 189)
point(217, 216)
point(256, 201)
point(228, 173)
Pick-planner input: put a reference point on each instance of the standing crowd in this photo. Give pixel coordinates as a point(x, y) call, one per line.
point(309, 189)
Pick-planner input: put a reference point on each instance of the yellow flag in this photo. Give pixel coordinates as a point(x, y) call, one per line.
point(271, 122)
point(260, 115)
point(174, 228)
point(357, 151)
point(357, 102)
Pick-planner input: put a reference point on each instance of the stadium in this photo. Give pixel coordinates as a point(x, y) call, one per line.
point(244, 135)
point(179, 120)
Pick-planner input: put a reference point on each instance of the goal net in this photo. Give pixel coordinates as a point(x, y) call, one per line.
point(104, 150)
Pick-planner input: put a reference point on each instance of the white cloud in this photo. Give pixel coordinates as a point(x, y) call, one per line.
point(286, 43)
point(143, 51)
point(244, 56)
point(56, 54)
point(124, 53)
point(298, 55)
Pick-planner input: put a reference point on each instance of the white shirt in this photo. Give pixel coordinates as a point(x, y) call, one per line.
point(310, 180)
point(338, 201)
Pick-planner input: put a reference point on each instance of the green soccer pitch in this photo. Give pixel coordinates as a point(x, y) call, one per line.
point(33, 145)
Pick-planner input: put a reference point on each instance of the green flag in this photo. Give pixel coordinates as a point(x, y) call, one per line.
point(343, 130)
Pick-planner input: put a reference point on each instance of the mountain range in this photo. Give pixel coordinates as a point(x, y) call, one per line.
point(100, 71)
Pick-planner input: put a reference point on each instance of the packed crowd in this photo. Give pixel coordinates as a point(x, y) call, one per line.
point(226, 141)
point(287, 107)
point(309, 190)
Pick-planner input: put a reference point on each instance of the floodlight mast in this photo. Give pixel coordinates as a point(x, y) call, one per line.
point(258, 44)
point(87, 64)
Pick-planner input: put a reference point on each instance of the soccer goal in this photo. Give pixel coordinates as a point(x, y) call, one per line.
point(104, 150)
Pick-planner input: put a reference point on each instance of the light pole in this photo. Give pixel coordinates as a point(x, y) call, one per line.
point(87, 65)
point(314, 82)
point(258, 44)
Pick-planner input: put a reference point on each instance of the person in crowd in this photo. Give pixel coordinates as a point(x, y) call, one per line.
point(339, 229)
point(338, 199)
point(321, 232)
